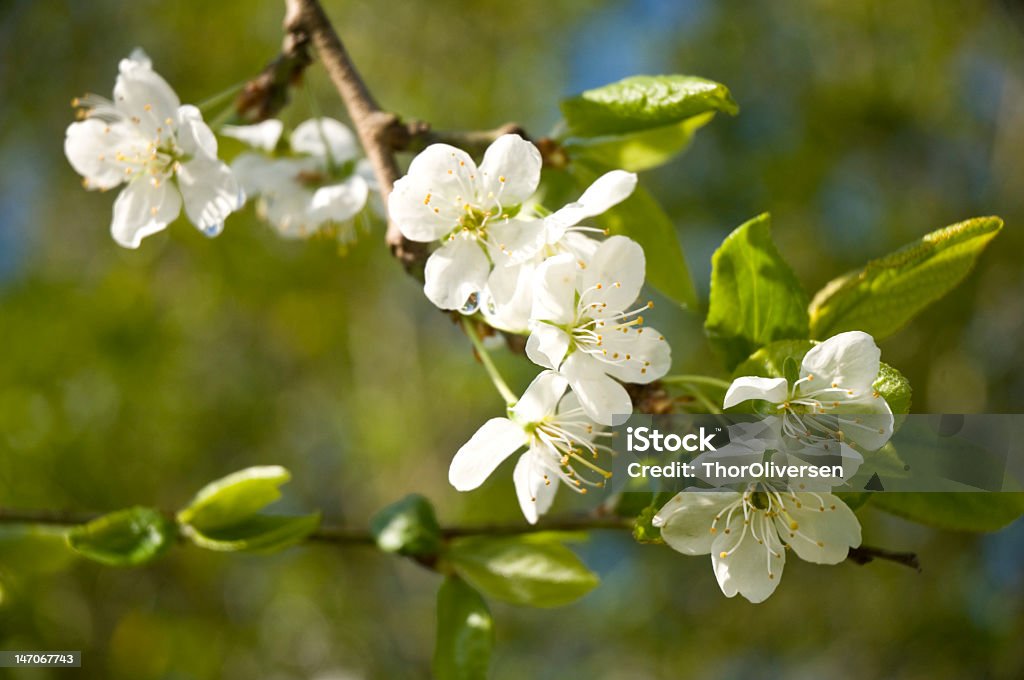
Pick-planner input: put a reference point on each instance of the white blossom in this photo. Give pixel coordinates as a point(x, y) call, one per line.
point(583, 327)
point(560, 444)
point(472, 211)
point(322, 182)
point(161, 150)
point(833, 398)
point(763, 441)
point(747, 534)
point(507, 299)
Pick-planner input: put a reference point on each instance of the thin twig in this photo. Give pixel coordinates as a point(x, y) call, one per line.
point(347, 536)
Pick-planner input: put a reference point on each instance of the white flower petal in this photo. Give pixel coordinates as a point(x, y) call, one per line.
point(614, 276)
point(744, 566)
point(288, 209)
point(872, 427)
point(137, 59)
point(508, 297)
point(318, 135)
point(686, 520)
point(194, 136)
point(510, 171)
point(603, 399)
point(554, 290)
point(534, 492)
point(410, 207)
point(607, 191)
point(517, 240)
point(580, 246)
point(143, 95)
point(339, 202)
point(455, 271)
point(258, 174)
point(547, 345)
point(143, 208)
point(364, 168)
point(850, 360)
point(211, 193)
point(91, 146)
point(263, 136)
point(742, 389)
point(495, 441)
point(638, 355)
point(540, 398)
point(820, 531)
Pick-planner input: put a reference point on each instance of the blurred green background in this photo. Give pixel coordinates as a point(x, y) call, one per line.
point(136, 377)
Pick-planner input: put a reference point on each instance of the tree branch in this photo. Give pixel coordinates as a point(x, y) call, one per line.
point(347, 536)
point(378, 130)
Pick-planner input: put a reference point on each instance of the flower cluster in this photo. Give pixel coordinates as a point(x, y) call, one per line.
point(321, 181)
point(166, 157)
point(830, 409)
point(161, 150)
point(544, 276)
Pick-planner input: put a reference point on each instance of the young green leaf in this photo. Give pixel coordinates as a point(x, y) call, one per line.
point(770, 361)
point(643, 220)
point(755, 297)
point(408, 527)
point(957, 511)
point(125, 538)
point(642, 103)
point(644, 530)
point(883, 296)
point(521, 571)
point(465, 632)
point(895, 388)
point(256, 533)
point(636, 151)
point(235, 497)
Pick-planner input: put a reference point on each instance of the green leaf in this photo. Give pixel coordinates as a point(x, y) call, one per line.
point(465, 632)
point(644, 530)
point(770, 361)
point(894, 388)
point(642, 103)
point(408, 527)
point(256, 533)
point(636, 151)
point(125, 538)
point(233, 498)
point(957, 511)
point(854, 499)
point(641, 218)
point(521, 571)
point(755, 297)
point(886, 463)
point(883, 296)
